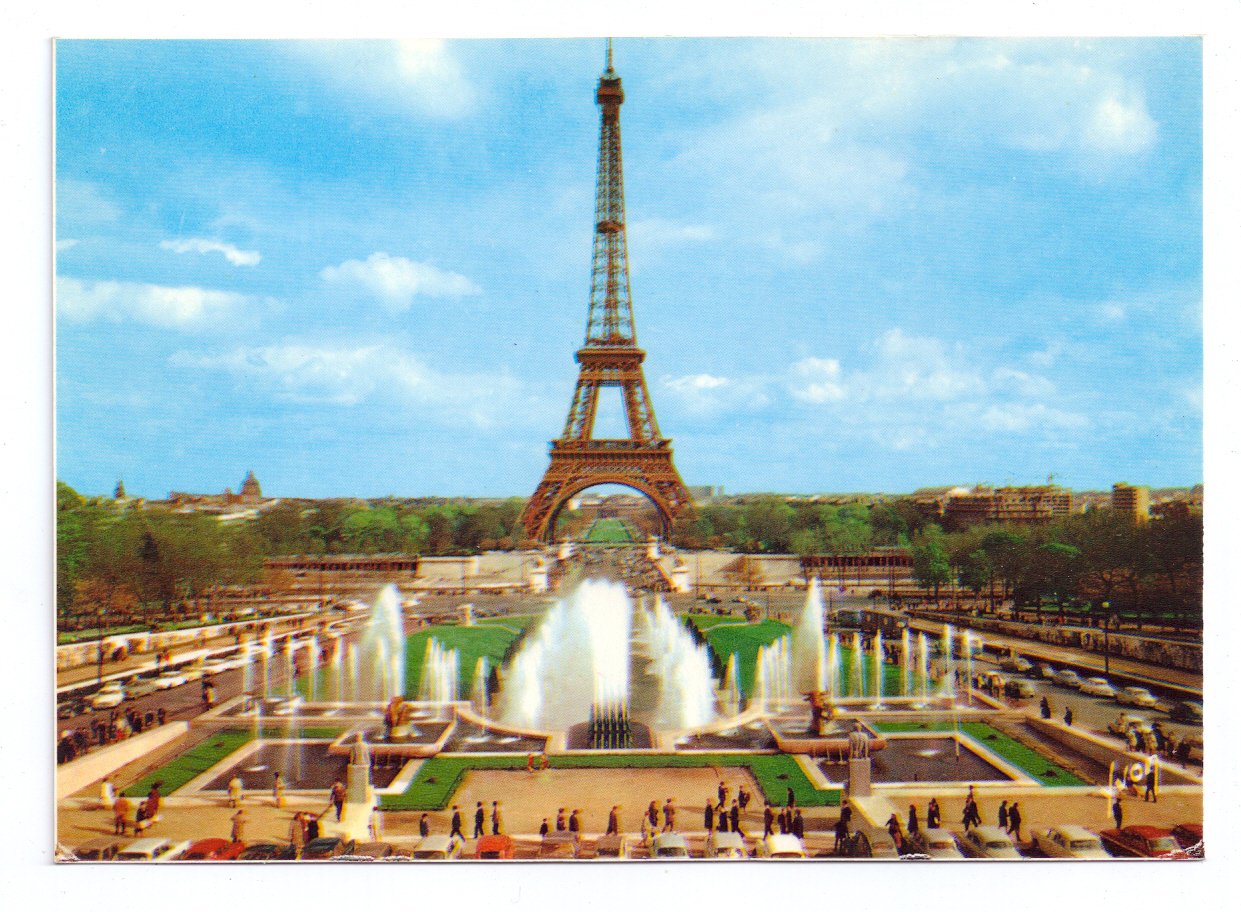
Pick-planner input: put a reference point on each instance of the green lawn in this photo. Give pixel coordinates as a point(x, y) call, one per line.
point(610, 531)
point(491, 640)
point(1029, 761)
point(206, 754)
point(439, 778)
point(741, 639)
point(96, 633)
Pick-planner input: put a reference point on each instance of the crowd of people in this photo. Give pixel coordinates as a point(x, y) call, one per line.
point(101, 731)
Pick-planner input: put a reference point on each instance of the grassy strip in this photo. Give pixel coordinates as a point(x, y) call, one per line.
point(471, 643)
point(201, 757)
point(439, 778)
point(610, 531)
point(96, 633)
point(741, 639)
point(1028, 760)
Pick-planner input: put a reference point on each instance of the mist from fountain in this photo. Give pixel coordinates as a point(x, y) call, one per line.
point(265, 658)
point(576, 659)
point(809, 649)
point(877, 659)
point(478, 691)
point(313, 650)
point(441, 672)
point(924, 670)
point(948, 687)
point(338, 669)
point(730, 694)
point(905, 659)
point(833, 664)
point(682, 667)
point(858, 682)
point(383, 648)
point(351, 671)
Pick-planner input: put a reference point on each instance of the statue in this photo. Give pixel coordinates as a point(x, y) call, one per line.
point(821, 711)
point(359, 754)
point(859, 744)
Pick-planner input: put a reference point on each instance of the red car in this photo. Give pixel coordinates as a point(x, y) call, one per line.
point(1141, 842)
point(1188, 835)
point(213, 850)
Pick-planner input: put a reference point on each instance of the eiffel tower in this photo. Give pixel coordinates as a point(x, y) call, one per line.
point(609, 358)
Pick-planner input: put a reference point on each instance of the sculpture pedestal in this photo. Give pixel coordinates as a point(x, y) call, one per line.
point(859, 777)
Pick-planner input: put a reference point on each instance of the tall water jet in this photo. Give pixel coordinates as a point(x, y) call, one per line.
point(290, 669)
point(440, 673)
point(924, 671)
point(858, 685)
point(809, 649)
point(833, 664)
point(730, 696)
point(877, 658)
point(905, 659)
point(681, 665)
point(948, 687)
point(967, 645)
point(478, 691)
point(579, 652)
point(383, 641)
point(338, 669)
point(313, 650)
point(351, 672)
point(773, 675)
point(265, 657)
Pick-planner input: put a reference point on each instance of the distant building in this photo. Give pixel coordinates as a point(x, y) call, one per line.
point(227, 505)
point(1132, 501)
point(250, 490)
point(1032, 504)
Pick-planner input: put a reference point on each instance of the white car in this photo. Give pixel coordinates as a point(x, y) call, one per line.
point(170, 679)
point(1136, 696)
point(988, 842)
point(437, 848)
point(937, 843)
point(110, 695)
point(669, 845)
point(1069, 841)
point(780, 845)
point(152, 849)
point(1097, 687)
point(724, 845)
point(140, 687)
point(1067, 677)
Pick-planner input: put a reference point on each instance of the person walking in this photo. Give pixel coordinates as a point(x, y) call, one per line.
point(456, 823)
point(842, 834)
point(235, 790)
point(721, 814)
point(614, 820)
point(1044, 708)
point(239, 826)
point(120, 815)
point(1118, 813)
point(652, 814)
point(338, 797)
point(1068, 716)
point(708, 817)
point(544, 829)
point(1014, 821)
point(932, 815)
point(894, 829)
point(769, 817)
point(1151, 794)
point(480, 817)
point(670, 816)
point(799, 824)
point(1003, 821)
point(743, 797)
point(967, 814)
point(312, 828)
point(560, 820)
point(575, 821)
point(912, 823)
point(734, 817)
point(152, 802)
point(297, 833)
point(722, 793)
point(107, 795)
point(277, 789)
point(791, 799)
point(495, 819)
point(424, 826)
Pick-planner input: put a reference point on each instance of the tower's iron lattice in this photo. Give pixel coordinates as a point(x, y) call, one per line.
point(610, 357)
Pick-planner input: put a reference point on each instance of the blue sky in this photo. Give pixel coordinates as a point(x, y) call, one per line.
point(362, 268)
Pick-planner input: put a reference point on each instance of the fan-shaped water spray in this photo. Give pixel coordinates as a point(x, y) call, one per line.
point(809, 649)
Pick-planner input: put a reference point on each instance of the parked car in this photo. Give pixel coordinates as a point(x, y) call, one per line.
point(613, 845)
point(988, 842)
point(1188, 835)
point(1069, 841)
point(74, 706)
point(1125, 722)
point(669, 845)
point(327, 847)
point(936, 843)
point(780, 845)
point(1020, 690)
point(1140, 841)
point(1015, 664)
point(139, 687)
point(152, 848)
point(110, 695)
point(494, 847)
point(104, 848)
point(1098, 687)
point(560, 844)
point(724, 845)
point(871, 842)
point(1186, 711)
point(1136, 696)
point(213, 850)
point(170, 679)
point(1047, 672)
point(436, 848)
point(375, 850)
point(1067, 677)
point(268, 851)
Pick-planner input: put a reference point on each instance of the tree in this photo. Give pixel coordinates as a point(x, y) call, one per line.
point(930, 563)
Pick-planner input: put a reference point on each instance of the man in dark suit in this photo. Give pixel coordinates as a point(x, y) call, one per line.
point(456, 822)
point(480, 817)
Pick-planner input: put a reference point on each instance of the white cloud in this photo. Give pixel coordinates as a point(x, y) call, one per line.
point(424, 75)
point(1122, 127)
point(708, 394)
point(1031, 386)
point(658, 232)
point(84, 300)
point(397, 281)
point(433, 73)
point(817, 380)
point(82, 203)
point(1016, 417)
point(1112, 311)
point(354, 374)
point(203, 245)
point(66, 244)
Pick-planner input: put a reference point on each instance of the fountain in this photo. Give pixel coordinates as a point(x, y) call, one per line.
point(877, 659)
point(730, 696)
point(383, 649)
point(809, 649)
point(440, 674)
point(905, 657)
point(773, 675)
point(924, 671)
point(682, 666)
point(833, 665)
point(478, 692)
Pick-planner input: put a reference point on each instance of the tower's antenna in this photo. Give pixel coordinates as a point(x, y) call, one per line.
point(609, 69)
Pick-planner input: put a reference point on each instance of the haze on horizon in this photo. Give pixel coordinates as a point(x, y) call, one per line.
point(362, 268)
